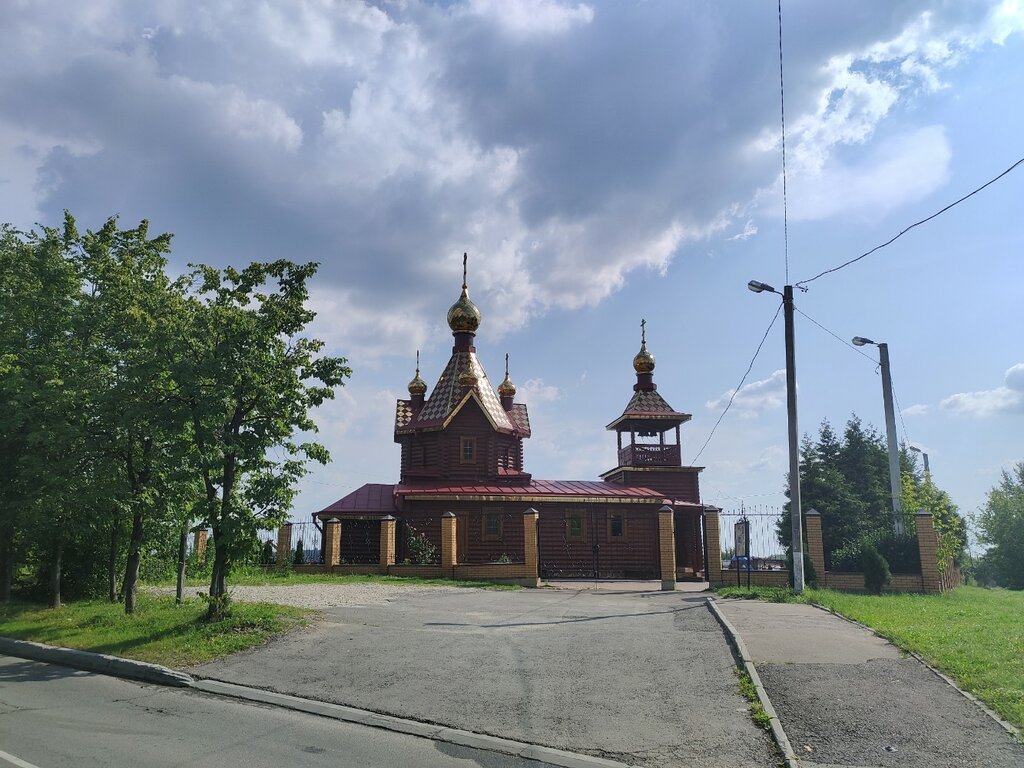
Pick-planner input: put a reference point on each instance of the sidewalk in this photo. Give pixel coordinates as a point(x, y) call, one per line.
point(848, 698)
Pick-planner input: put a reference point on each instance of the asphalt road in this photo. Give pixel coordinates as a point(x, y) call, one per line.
point(56, 717)
point(643, 678)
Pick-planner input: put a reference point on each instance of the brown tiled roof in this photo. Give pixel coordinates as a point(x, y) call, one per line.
point(448, 393)
point(403, 413)
point(521, 417)
point(648, 404)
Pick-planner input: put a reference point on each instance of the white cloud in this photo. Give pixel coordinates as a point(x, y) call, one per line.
point(532, 17)
point(1007, 399)
point(536, 391)
point(756, 396)
point(749, 230)
point(918, 409)
point(901, 170)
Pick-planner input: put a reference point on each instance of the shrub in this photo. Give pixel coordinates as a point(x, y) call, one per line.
point(876, 569)
point(901, 552)
point(421, 550)
point(810, 573)
point(267, 553)
point(300, 555)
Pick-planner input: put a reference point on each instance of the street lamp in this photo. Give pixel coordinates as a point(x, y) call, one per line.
point(890, 430)
point(915, 449)
point(795, 511)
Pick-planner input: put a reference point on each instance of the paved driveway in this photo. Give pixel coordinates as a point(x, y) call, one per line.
point(641, 677)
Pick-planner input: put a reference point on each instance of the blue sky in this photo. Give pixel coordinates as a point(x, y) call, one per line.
point(601, 163)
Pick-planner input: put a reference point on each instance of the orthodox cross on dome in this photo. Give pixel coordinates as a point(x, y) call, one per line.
point(643, 331)
point(465, 258)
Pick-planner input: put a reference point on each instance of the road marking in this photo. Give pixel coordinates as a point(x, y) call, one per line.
point(15, 760)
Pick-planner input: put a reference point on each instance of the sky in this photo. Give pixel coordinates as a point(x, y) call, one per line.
point(600, 162)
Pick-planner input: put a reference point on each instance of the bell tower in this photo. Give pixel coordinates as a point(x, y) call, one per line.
point(647, 437)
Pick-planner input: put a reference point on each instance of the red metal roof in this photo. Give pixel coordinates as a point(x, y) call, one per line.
point(372, 497)
point(553, 488)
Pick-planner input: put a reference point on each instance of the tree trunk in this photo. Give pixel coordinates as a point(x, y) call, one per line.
point(115, 529)
point(220, 566)
point(131, 571)
point(55, 574)
point(6, 565)
point(179, 590)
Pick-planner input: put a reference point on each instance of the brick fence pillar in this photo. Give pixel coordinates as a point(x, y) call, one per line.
point(530, 554)
point(449, 541)
point(387, 542)
point(332, 542)
point(815, 547)
point(199, 544)
point(667, 547)
point(284, 545)
point(713, 544)
point(928, 546)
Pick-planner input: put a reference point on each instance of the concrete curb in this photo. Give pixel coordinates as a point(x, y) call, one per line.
point(95, 662)
point(778, 732)
point(1011, 729)
point(347, 714)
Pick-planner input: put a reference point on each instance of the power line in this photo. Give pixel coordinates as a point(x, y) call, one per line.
point(837, 337)
point(915, 224)
point(739, 386)
point(899, 410)
point(906, 437)
point(782, 102)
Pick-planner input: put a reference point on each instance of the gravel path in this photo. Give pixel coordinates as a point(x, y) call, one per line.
point(321, 596)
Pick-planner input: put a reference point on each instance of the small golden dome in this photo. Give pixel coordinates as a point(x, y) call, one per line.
point(464, 317)
point(644, 360)
point(417, 386)
point(507, 388)
point(468, 378)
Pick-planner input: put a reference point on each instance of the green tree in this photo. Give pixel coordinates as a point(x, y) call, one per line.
point(1001, 526)
point(248, 380)
point(131, 315)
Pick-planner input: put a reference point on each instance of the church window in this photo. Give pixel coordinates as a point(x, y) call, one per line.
point(468, 450)
point(492, 526)
point(616, 526)
point(574, 526)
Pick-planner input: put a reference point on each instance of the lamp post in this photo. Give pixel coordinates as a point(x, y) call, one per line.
point(795, 511)
point(927, 472)
point(890, 431)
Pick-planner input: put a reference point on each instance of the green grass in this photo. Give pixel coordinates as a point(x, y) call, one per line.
point(974, 635)
point(749, 692)
point(158, 632)
point(254, 576)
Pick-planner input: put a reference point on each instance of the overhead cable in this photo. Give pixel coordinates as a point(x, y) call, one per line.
point(915, 224)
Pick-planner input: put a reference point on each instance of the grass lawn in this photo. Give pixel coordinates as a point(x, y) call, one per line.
point(259, 577)
point(159, 631)
point(972, 634)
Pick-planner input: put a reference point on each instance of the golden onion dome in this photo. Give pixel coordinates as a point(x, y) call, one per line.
point(644, 360)
point(468, 378)
point(417, 386)
point(464, 317)
point(507, 388)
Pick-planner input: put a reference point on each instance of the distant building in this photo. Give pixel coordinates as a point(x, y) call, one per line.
point(462, 452)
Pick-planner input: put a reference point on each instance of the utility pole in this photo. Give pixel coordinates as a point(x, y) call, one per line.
point(895, 484)
point(890, 436)
point(795, 512)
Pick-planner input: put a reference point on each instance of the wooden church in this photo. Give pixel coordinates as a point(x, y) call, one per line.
point(462, 458)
